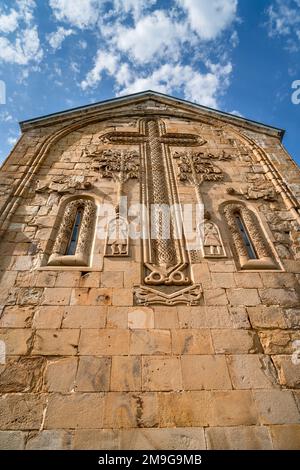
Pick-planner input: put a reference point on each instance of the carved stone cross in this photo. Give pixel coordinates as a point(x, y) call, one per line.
point(165, 258)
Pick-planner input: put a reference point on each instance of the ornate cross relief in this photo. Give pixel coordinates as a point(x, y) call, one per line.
point(120, 166)
point(165, 260)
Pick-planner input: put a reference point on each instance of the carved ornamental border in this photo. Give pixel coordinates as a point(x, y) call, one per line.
point(263, 250)
point(85, 237)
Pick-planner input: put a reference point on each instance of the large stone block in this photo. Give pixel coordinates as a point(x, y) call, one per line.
point(131, 410)
point(122, 297)
point(191, 342)
point(276, 406)
point(79, 316)
point(93, 374)
point(205, 372)
point(56, 342)
point(248, 297)
point(238, 438)
point(165, 317)
point(49, 440)
point(286, 437)
point(140, 317)
point(12, 440)
point(161, 373)
point(284, 297)
point(23, 374)
point(104, 342)
point(117, 317)
point(112, 279)
point(48, 317)
point(232, 408)
point(17, 341)
point(292, 317)
point(251, 371)
point(278, 341)
point(21, 411)
point(60, 375)
point(288, 371)
point(184, 409)
point(266, 317)
point(126, 373)
point(91, 296)
point(56, 296)
point(150, 342)
point(78, 410)
point(215, 297)
point(235, 341)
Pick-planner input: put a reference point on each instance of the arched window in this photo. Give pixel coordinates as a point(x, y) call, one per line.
point(72, 245)
point(250, 244)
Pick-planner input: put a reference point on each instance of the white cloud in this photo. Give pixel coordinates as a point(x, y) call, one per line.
point(134, 7)
point(80, 13)
point(56, 38)
point(154, 34)
point(104, 61)
point(284, 20)
point(208, 18)
point(9, 23)
point(25, 49)
point(5, 117)
point(12, 140)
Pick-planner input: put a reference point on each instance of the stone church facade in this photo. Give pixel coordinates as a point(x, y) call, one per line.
point(117, 341)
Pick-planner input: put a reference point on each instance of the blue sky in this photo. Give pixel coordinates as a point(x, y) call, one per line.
point(239, 56)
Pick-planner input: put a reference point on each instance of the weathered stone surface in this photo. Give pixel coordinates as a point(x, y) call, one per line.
point(48, 317)
point(17, 341)
point(276, 407)
point(140, 317)
point(165, 317)
point(126, 373)
point(238, 438)
point(284, 297)
point(248, 280)
point(191, 342)
point(12, 440)
point(232, 408)
point(205, 372)
point(204, 317)
point(240, 296)
point(93, 374)
point(117, 317)
point(24, 374)
point(49, 440)
point(79, 410)
point(161, 373)
point(122, 297)
point(251, 371)
point(56, 342)
point(56, 296)
point(266, 317)
point(292, 317)
point(235, 341)
point(16, 317)
point(60, 375)
point(190, 408)
point(112, 279)
point(104, 342)
point(84, 316)
point(21, 411)
point(215, 297)
point(90, 296)
point(150, 342)
point(286, 437)
point(222, 280)
point(239, 317)
point(130, 410)
point(278, 341)
point(288, 372)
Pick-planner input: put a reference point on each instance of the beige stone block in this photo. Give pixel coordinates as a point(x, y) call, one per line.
point(202, 275)
point(67, 279)
point(248, 280)
point(165, 317)
point(161, 373)
point(49, 440)
point(223, 280)
point(204, 317)
point(78, 410)
point(215, 297)
point(56, 342)
point(191, 342)
point(292, 317)
point(117, 317)
point(235, 341)
point(283, 297)
point(16, 317)
point(91, 279)
point(266, 317)
point(279, 280)
point(112, 279)
point(222, 267)
point(93, 374)
point(140, 317)
point(205, 372)
point(238, 438)
point(91, 296)
point(100, 439)
point(126, 373)
point(45, 279)
point(60, 375)
point(184, 408)
point(24, 279)
point(104, 342)
point(132, 275)
point(279, 341)
point(130, 410)
point(8, 279)
point(21, 374)
point(246, 297)
point(239, 317)
point(122, 297)
point(21, 411)
point(56, 296)
point(150, 342)
point(17, 341)
point(23, 263)
point(12, 440)
point(232, 408)
point(288, 372)
point(251, 371)
point(286, 437)
point(276, 407)
point(80, 316)
point(30, 296)
point(48, 317)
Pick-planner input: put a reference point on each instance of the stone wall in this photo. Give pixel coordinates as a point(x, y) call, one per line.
point(86, 367)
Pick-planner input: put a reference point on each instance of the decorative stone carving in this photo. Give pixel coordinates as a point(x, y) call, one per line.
point(212, 243)
point(146, 296)
point(63, 184)
point(260, 190)
point(264, 253)
point(194, 170)
point(85, 237)
point(165, 259)
point(116, 164)
point(117, 239)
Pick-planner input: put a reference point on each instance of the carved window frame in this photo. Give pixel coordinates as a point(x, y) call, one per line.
point(85, 237)
point(265, 256)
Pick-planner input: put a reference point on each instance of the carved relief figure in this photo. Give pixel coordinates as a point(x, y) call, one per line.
point(258, 190)
point(73, 241)
point(117, 237)
point(212, 244)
